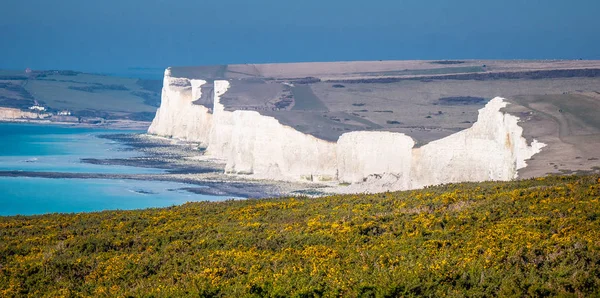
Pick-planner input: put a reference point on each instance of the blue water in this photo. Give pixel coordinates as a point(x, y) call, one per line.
point(50, 148)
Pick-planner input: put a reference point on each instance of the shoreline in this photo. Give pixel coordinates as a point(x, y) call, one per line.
point(109, 124)
point(209, 186)
point(181, 162)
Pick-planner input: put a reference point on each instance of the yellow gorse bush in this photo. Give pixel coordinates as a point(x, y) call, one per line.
point(538, 237)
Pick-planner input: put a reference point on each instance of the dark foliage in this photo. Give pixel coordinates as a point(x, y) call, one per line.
point(531, 75)
point(448, 62)
point(461, 101)
point(98, 87)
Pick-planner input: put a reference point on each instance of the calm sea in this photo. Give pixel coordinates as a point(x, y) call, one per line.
point(50, 148)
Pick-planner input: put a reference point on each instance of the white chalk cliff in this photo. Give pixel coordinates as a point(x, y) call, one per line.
point(177, 117)
point(261, 147)
point(10, 114)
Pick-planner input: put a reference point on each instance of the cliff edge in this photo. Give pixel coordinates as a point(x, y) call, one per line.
point(261, 146)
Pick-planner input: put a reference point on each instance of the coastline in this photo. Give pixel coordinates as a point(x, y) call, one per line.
point(199, 184)
point(109, 124)
point(181, 161)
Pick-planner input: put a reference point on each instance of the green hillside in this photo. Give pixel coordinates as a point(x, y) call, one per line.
point(83, 94)
point(536, 237)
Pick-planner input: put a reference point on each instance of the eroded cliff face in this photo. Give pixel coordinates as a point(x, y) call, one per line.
point(177, 117)
point(10, 114)
point(492, 149)
point(260, 146)
point(364, 153)
point(257, 145)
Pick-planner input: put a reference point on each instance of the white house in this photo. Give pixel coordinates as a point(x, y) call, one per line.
point(37, 108)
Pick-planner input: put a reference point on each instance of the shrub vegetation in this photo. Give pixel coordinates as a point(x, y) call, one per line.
point(538, 237)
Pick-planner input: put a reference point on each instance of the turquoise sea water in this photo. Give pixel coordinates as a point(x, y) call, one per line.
point(49, 148)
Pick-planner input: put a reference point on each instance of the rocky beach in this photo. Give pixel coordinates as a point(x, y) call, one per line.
point(54, 168)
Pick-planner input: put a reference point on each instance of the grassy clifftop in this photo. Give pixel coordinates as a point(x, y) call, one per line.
point(527, 238)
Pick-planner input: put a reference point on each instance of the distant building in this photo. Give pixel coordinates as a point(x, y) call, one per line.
point(28, 70)
point(37, 108)
point(64, 113)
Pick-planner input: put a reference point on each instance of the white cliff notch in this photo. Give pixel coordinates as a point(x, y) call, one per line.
point(178, 117)
point(261, 147)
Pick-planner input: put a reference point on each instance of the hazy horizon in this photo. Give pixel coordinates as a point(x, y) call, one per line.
point(112, 36)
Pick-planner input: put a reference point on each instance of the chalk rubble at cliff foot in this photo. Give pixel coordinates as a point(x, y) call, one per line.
point(178, 117)
point(261, 147)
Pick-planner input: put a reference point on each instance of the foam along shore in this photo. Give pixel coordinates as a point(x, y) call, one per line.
point(261, 147)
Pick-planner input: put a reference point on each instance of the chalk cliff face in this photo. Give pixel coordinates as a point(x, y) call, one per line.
point(492, 149)
point(259, 145)
point(16, 114)
point(177, 116)
point(252, 144)
point(262, 146)
point(364, 153)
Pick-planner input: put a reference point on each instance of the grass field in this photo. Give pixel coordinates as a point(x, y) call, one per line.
point(432, 71)
point(538, 237)
point(305, 99)
point(59, 96)
point(81, 93)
